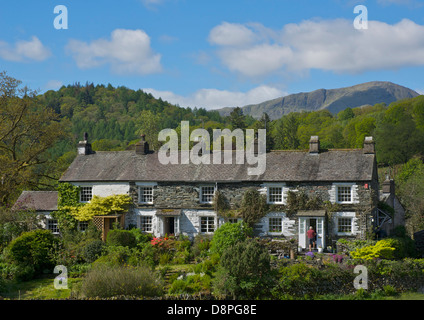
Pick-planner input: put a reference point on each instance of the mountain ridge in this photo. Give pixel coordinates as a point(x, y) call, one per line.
point(334, 100)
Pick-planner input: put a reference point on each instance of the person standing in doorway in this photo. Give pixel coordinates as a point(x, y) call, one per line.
point(311, 237)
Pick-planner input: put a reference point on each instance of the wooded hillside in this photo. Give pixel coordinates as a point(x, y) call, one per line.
point(39, 133)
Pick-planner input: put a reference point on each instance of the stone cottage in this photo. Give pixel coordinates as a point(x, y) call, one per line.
point(178, 198)
point(43, 203)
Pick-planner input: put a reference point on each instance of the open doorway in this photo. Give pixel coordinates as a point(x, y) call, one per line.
point(169, 225)
point(317, 223)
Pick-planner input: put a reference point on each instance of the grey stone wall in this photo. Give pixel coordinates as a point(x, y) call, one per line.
point(185, 195)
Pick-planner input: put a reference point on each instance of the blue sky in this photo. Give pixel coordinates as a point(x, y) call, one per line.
point(213, 53)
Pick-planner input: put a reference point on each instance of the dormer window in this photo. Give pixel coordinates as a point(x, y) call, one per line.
point(86, 194)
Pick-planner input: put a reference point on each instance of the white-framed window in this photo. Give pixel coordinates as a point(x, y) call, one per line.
point(207, 224)
point(146, 223)
point(145, 194)
point(206, 194)
point(233, 220)
point(53, 226)
point(275, 225)
point(344, 194)
point(344, 225)
point(275, 193)
point(86, 193)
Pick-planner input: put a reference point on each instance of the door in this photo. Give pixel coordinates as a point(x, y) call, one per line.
point(317, 224)
point(320, 232)
point(302, 232)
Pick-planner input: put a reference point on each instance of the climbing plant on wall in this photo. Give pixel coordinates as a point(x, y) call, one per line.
point(67, 201)
point(100, 206)
point(71, 211)
point(222, 206)
point(253, 206)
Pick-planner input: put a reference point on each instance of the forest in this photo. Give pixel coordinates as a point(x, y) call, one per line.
point(39, 133)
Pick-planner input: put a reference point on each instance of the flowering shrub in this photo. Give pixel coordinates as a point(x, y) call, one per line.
point(382, 249)
point(310, 254)
point(159, 242)
point(337, 258)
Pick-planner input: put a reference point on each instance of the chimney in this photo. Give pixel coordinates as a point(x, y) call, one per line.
point(314, 145)
point(369, 145)
point(84, 148)
point(389, 186)
point(142, 147)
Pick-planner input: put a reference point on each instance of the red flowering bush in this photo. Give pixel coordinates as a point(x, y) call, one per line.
point(164, 244)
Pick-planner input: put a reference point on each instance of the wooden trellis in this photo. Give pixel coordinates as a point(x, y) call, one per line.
point(103, 223)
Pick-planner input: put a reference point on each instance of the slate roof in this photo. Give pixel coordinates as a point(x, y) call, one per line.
point(125, 166)
point(37, 200)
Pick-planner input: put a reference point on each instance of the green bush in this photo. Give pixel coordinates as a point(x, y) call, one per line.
point(78, 270)
point(114, 256)
point(191, 284)
point(18, 272)
point(305, 280)
point(201, 245)
point(93, 250)
point(140, 236)
point(207, 266)
point(229, 234)
point(34, 249)
point(124, 238)
point(244, 271)
point(181, 257)
point(164, 258)
point(106, 282)
point(299, 279)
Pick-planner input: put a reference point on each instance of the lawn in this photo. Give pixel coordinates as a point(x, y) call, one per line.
point(41, 288)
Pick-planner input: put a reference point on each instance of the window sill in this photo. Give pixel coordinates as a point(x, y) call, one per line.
point(276, 233)
point(345, 234)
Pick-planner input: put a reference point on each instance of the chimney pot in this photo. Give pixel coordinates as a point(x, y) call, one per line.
point(389, 186)
point(142, 147)
point(84, 148)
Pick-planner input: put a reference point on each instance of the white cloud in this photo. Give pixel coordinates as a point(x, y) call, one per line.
point(232, 34)
point(331, 45)
point(215, 99)
point(127, 52)
point(23, 51)
point(53, 85)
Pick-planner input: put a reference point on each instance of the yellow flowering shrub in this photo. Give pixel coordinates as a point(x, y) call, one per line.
point(383, 249)
point(100, 206)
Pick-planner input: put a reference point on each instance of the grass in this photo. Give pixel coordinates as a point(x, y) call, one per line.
point(41, 288)
point(409, 296)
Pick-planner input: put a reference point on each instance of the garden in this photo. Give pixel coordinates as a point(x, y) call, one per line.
point(230, 264)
